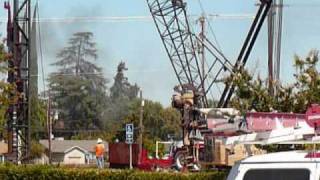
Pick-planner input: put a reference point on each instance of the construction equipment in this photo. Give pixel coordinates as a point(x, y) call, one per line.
point(119, 156)
point(19, 46)
point(171, 20)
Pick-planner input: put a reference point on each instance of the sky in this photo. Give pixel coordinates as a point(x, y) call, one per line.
point(138, 44)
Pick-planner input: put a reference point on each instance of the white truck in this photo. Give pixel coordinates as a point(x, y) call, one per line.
point(291, 165)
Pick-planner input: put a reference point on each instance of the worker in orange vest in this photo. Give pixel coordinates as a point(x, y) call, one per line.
point(99, 148)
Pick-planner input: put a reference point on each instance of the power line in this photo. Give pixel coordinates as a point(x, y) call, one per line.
point(231, 16)
point(115, 19)
point(90, 19)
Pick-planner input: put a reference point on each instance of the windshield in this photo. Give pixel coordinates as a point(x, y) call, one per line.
point(277, 174)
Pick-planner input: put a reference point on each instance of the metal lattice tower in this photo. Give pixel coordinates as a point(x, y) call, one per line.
point(180, 43)
point(19, 75)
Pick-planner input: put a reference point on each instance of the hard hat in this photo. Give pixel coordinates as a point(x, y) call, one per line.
point(99, 141)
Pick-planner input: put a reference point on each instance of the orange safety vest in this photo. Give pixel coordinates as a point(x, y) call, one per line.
point(99, 149)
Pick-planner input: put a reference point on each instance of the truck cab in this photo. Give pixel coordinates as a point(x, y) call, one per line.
point(293, 165)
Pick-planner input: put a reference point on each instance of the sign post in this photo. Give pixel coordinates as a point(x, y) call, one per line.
point(129, 140)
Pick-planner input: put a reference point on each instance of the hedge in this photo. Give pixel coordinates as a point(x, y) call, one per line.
point(34, 172)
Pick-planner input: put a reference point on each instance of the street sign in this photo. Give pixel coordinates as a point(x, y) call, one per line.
point(129, 128)
point(129, 140)
point(129, 133)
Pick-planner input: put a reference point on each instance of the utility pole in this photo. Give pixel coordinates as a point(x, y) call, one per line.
point(274, 44)
point(278, 40)
point(141, 126)
point(49, 125)
point(271, 30)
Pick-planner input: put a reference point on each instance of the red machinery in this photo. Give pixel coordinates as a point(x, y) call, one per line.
point(119, 158)
point(195, 81)
point(275, 128)
point(226, 125)
point(313, 115)
point(199, 122)
point(259, 121)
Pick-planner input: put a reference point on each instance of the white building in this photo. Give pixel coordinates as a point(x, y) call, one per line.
point(76, 152)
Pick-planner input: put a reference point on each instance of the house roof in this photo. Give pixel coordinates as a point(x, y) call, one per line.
point(3, 148)
point(75, 147)
point(60, 146)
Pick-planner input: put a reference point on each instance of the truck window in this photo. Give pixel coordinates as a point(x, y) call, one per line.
point(277, 174)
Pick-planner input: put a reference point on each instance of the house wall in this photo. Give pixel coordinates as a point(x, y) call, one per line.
point(74, 156)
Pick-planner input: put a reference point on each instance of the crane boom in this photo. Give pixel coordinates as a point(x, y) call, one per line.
point(180, 43)
point(246, 49)
point(172, 23)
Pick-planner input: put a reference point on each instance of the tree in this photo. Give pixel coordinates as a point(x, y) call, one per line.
point(78, 59)
point(307, 81)
point(122, 88)
point(78, 88)
point(38, 118)
point(36, 150)
point(122, 95)
point(252, 94)
point(158, 122)
point(6, 89)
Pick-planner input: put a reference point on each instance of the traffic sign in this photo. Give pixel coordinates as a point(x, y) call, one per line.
point(129, 136)
point(129, 133)
point(129, 128)
point(129, 141)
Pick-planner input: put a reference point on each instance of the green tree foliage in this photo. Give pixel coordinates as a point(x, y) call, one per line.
point(122, 95)
point(252, 94)
point(78, 59)
point(158, 122)
point(307, 81)
point(78, 92)
point(125, 108)
point(121, 87)
point(78, 88)
point(5, 88)
point(38, 117)
point(36, 150)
